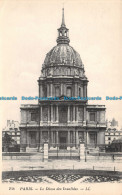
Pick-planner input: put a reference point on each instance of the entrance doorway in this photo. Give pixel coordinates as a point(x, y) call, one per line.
point(62, 143)
point(62, 140)
point(33, 143)
point(92, 137)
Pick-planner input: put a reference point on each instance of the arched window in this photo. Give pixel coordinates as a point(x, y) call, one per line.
point(69, 92)
point(57, 91)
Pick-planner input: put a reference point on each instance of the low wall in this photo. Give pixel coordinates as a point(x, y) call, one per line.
point(21, 156)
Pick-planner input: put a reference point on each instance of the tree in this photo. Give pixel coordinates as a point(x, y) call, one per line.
point(7, 141)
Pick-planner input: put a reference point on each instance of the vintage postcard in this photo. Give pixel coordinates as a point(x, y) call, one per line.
point(61, 97)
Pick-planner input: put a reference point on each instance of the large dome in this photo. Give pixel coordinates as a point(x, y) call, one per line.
point(62, 54)
point(62, 60)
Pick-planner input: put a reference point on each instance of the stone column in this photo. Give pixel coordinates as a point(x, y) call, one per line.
point(87, 137)
point(77, 114)
point(54, 136)
point(68, 114)
point(48, 135)
point(48, 90)
point(51, 113)
point(51, 136)
point(48, 114)
point(51, 90)
point(74, 143)
point(82, 91)
point(62, 89)
point(98, 116)
point(57, 137)
point(41, 91)
point(57, 114)
point(41, 114)
point(68, 136)
point(28, 139)
point(40, 137)
point(40, 147)
point(73, 113)
point(76, 90)
point(37, 138)
point(84, 113)
point(85, 92)
point(52, 140)
point(77, 139)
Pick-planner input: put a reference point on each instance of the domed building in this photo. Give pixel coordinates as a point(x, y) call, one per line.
point(62, 116)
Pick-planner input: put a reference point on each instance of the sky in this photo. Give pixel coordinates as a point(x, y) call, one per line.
point(28, 31)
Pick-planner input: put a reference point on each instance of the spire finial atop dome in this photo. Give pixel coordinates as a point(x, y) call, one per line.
point(63, 32)
point(63, 21)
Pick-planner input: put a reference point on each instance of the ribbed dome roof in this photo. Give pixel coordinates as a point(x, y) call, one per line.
point(63, 54)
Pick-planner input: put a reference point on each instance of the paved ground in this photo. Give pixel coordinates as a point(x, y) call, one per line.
point(16, 165)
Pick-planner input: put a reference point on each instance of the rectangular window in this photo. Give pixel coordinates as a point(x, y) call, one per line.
point(57, 91)
point(69, 92)
point(80, 114)
point(92, 116)
point(45, 113)
point(33, 116)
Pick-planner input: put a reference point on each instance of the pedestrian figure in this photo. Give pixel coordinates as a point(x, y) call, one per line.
point(113, 156)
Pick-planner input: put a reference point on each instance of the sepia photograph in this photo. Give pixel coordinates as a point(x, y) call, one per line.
point(61, 97)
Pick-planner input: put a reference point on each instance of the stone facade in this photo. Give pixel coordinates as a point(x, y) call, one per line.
point(13, 130)
point(63, 122)
point(112, 134)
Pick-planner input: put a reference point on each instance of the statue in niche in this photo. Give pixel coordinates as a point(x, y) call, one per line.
point(76, 72)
